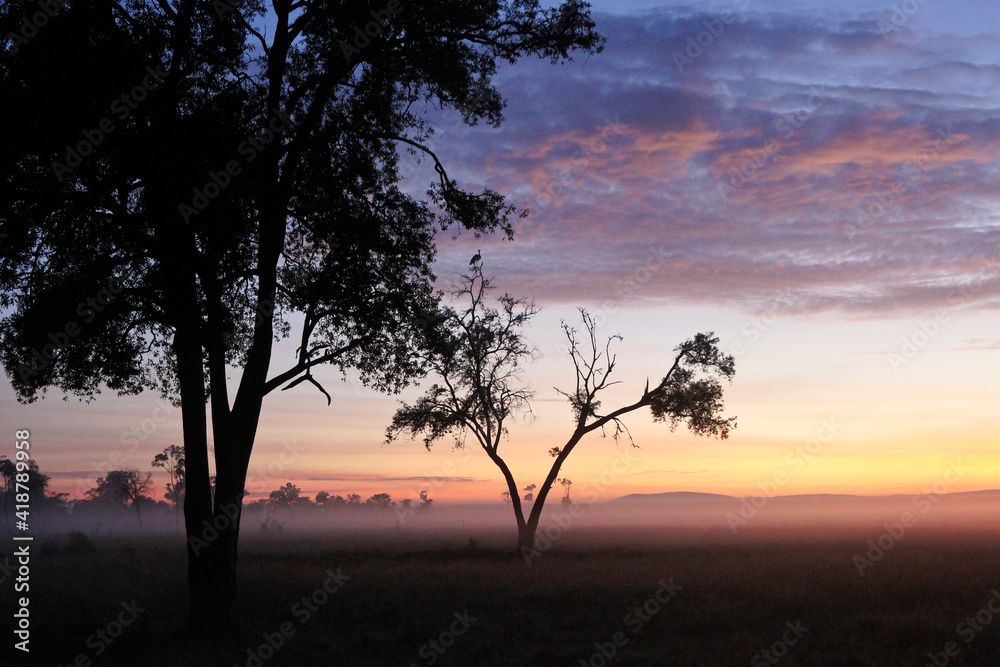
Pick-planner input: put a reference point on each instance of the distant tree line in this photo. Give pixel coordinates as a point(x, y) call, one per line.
point(290, 496)
point(124, 489)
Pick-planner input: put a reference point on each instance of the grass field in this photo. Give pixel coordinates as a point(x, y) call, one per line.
point(795, 595)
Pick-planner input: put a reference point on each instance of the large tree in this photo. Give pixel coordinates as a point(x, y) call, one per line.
point(125, 485)
point(478, 356)
point(172, 459)
point(186, 175)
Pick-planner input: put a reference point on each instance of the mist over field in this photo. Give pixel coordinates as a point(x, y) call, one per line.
point(660, 579)
point(339, 296)
point(643, 519)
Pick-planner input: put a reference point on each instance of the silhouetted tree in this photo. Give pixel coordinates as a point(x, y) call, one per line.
point(529, 493)
point(380, 501)
point(126, 485)
point(566, 485)
point(172, 459)
point(426, 502)
point(285, 496)
point(322, 500)
point(244, 178)
point(478, 363)
point(107, 491)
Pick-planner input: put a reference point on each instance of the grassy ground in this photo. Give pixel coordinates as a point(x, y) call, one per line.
point(483, 606)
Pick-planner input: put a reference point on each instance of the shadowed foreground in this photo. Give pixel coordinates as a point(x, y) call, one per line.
point(797, 597)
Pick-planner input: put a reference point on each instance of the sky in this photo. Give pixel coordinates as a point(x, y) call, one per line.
point(814, 181)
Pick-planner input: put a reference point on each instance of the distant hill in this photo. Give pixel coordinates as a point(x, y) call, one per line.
point(695, 498)
point(978, 509)
point(671, 498)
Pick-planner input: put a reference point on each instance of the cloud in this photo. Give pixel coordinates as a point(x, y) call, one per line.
point(380, 478)
point(798, 155)
point(980, 344)
point(89, 474)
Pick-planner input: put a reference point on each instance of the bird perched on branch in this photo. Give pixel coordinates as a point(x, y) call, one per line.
point(475, 258)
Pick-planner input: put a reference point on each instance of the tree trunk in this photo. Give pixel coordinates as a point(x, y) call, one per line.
point(233, 436)
point(526, 536)
point(515, 500)
point(198, 496)
point(212, 516)
point(223, 550)
point(212, 552)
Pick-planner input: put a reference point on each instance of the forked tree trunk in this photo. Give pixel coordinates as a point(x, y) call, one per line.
point(524, 539)
point(212, 558)
point(212, 516)
point(526, 533)
point(213, 546)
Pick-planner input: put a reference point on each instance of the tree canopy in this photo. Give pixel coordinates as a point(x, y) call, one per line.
point(477, 359)
point(92, 263)
point(186, 175)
